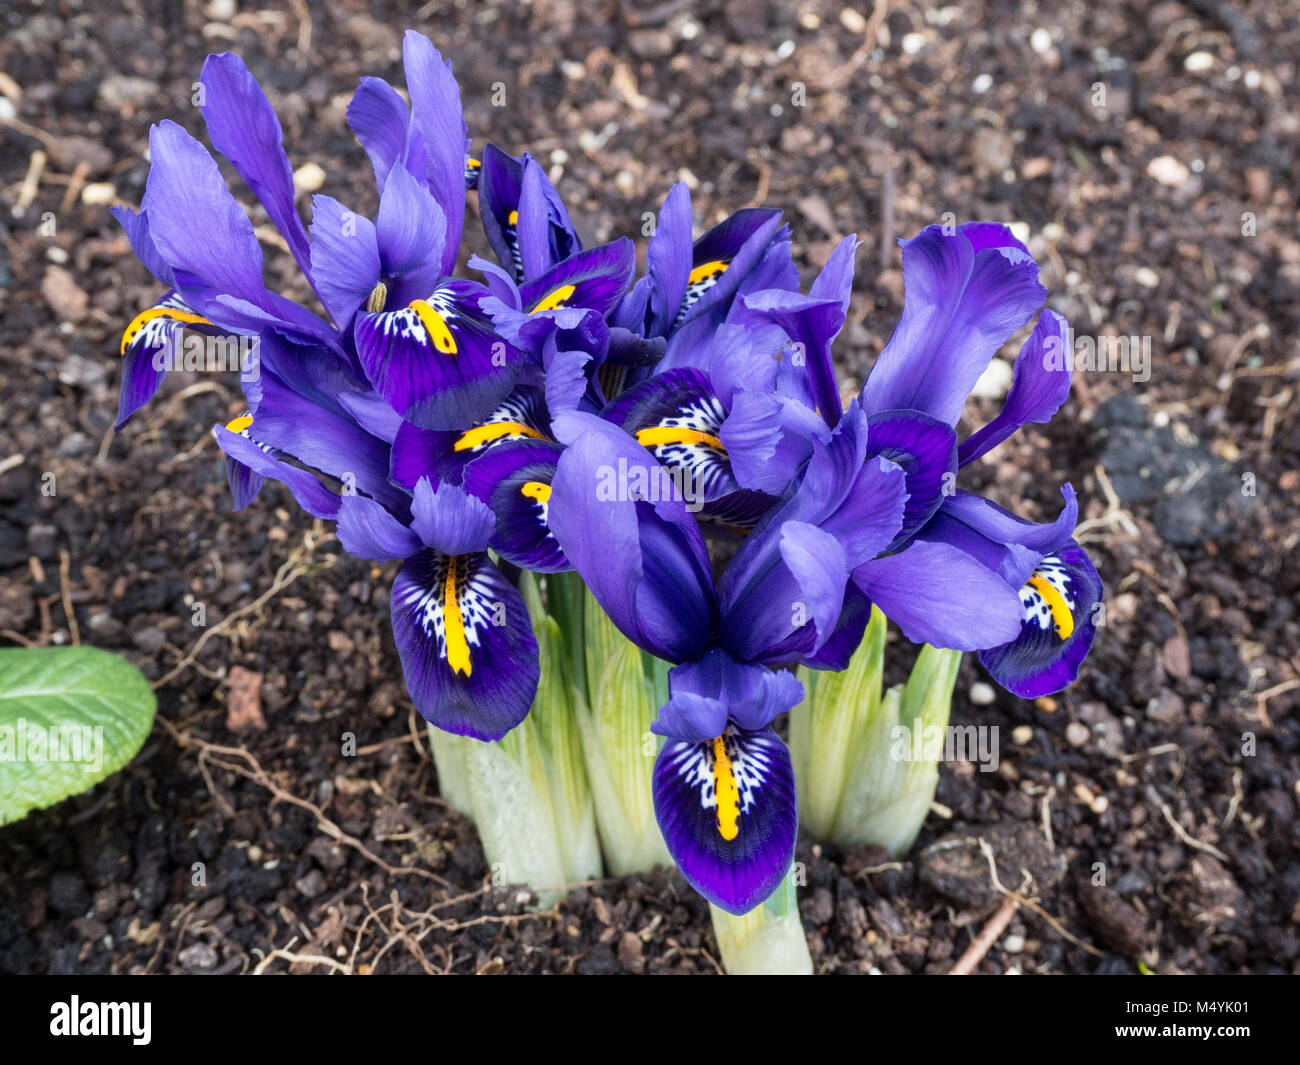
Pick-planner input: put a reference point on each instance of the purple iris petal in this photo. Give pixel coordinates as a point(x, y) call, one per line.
point(772, 613)
point(523, 216)
point(962, 302)
point(926, 450)
point(312, 496)
point(644, 561)
point(207, 241)
point(149, 343)
point(751, 695)
point(1057, 629)
point(514, 479)
point(380, 118)
point(594, 279)
point(345, 259)
point(677, 418)
point(438, 361)
point(812, 323)
point(245, 483)
point(244, 128)
point(411, 230)
point(769, 438)
point(324, 440)
point(690, 717)
point(652, 304)
point(136, 225)
point(1040, 384)
point(449, 519)
point(940, 595)
point(728, 814)
point(437, 120)
point(997, 538)
point(368, 530)
point(466, 644)
point(376, 417)
point(442, 456)
point(837, 649)
point(499, 186)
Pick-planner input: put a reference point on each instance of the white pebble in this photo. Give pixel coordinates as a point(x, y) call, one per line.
point(1041, 41)
point(1146, 277)
point(853, 21)
point(1252, 79)
point(982, 694)
point(982, 84)
point(308, 178)
point(1022, 735)
point(913, 43)
point(1013, 944)
point(1168, 171)
point(1198, 61)
point(98, 193)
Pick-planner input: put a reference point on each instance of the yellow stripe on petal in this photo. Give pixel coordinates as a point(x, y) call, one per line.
point(555, 299)
point(1062, 619)
point(238, 425)
point(660, 435)
point(707, 270)
point(436, 326)
point(725, 791)
point(485, 434)
point(537, 490)
point(453, 624)
point(145, 317)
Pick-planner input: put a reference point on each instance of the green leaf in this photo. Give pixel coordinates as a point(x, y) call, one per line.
point(69, 717)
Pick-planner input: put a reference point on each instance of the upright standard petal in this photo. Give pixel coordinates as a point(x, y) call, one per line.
point(437, 120)
point(379, 117)
point(345, 259)
point(1039, 385)
point(963, 299)
point(244, 128)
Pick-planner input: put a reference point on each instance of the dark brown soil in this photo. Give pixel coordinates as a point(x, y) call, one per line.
point(1171, 768)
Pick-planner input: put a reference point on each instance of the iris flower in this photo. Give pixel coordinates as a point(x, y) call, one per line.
point(967, 292)
point(724, 792)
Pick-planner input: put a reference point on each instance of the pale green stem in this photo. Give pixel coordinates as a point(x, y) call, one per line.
point(623, 688)
point(767, 941)
point(891, 787)
point(449, 760)
point(528, 793)
point(827, 729)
